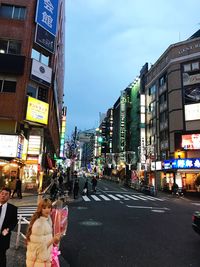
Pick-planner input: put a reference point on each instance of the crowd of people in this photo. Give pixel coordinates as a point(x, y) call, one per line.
point(40, 237)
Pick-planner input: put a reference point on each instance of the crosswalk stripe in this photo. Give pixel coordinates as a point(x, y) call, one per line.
point(86, 198)
point(122, 197)
point(95, 198)
point(109, 197)
point(131, 197)
point(140, 197)
point(154, 198)
point(104, 197)
point(113, 197)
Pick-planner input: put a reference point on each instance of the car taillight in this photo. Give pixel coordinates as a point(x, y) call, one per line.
point(193, 218)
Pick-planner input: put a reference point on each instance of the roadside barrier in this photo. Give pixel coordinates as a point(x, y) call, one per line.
point(21, 221)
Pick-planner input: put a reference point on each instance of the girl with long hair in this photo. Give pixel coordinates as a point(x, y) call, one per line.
point(40, 237)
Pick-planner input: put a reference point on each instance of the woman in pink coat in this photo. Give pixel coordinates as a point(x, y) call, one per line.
point(39, 236)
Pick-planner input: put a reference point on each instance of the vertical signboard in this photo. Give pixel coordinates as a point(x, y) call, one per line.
point(122, 124)
point(46, 15)
point(63, 129)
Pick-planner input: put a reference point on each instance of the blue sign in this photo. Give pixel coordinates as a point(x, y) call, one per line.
point(46, 14)
point(193, 163)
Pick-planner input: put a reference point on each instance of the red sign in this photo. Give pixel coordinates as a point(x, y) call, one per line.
point(191, 141)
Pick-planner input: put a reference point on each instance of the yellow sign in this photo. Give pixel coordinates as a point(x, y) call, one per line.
point(37, 110)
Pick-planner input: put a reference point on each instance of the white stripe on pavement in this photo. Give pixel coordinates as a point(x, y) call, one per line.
point(131, 197)
point(95, 198)
point(86, 198)
point(104, 197)
point(140, 197)
point(113, 197)
point(123, 197)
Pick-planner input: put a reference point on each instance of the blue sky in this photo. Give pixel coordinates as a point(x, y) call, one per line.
point(107, 43)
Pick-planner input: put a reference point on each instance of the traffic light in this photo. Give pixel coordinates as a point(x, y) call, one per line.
point(100, 139)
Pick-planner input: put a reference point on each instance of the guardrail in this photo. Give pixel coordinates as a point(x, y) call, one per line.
point(21, 221)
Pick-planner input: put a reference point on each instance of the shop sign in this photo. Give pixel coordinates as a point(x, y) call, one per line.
point(8, 145)
point(193, 163)
point(41, 73)
point(45, 39)
point(34, 145)
point(46, 14)
point(37, 111)
point(192, 112)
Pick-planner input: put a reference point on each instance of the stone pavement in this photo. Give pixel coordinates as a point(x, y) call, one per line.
point(17, 257)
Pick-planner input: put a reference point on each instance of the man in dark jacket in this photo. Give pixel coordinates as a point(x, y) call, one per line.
point(8, 221)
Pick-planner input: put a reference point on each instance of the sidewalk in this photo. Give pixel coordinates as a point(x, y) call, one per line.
point(17, 257)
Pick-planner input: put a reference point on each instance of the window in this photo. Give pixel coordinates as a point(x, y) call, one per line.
point(38, 92)
point(40, 57)
point(10, 47)
point(162, 80)
point(7, 86)
point(187, 67)
point(12, 12)
point(195, 66)
point(163, 98)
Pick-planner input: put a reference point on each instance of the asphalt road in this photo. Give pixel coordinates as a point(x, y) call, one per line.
point(134, 230)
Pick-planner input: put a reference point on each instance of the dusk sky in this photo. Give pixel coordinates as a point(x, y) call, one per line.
point(107, 43)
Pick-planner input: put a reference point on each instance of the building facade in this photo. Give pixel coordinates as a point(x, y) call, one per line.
point(31, 87)
point(173, 115)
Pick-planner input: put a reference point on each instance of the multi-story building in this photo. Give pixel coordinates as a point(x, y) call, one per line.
point(31, 87)
point(173, 115)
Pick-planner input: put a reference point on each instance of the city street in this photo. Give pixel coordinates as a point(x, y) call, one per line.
point(118, 227)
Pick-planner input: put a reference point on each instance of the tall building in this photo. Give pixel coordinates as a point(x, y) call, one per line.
point(173, 115)
point(31, 87)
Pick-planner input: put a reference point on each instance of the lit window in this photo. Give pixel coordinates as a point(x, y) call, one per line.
point(10, 47)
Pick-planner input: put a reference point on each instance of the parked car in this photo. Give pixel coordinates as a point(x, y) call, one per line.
point(196, 222)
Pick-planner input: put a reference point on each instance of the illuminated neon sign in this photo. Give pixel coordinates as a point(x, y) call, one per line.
point(193, 163)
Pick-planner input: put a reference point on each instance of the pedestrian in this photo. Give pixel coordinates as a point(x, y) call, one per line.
point(40, 237)
point(175, 189)
point(94, 184)
point(85, 188)
point(76, 188)
point(18, 188)
point(8, 221)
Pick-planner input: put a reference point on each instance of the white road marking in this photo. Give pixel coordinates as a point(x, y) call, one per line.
point(95, 198)
point(86, 198)
point(123, 197)
point(131, 197)
point(104, 197)
point(140, 197)
point(113, 197)
point(146, 207)
point(196, 203)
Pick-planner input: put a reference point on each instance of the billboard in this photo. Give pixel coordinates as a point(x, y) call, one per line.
point(191, 141)
point(192, 112)
point(8, 145)
point(46, 14)
point(37, 111)
point(41, 73)
point(45, 39)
